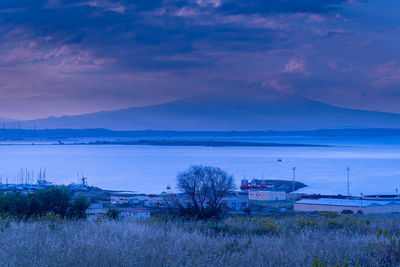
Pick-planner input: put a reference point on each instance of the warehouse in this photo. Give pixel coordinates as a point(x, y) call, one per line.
point(267, 195)
point(354, 205)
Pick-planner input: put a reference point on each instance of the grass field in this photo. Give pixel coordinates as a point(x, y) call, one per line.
point(319, 240)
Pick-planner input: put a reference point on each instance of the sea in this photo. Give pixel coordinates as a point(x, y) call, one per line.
point(374, 163)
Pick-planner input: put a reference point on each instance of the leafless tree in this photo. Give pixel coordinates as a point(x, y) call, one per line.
point(205, 186)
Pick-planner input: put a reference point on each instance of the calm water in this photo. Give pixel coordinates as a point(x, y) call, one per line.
point(149, 169)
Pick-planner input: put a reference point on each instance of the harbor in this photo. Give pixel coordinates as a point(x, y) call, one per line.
point(256, 197)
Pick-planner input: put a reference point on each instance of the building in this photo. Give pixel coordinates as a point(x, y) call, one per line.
point(354, 205)
point(95, 206)
point(96, 213)
point(383, 197)
point(267, 195)
point(119, 199)
point(134, 213)
point(155, 201)
point(235, 203)
point(139, 200)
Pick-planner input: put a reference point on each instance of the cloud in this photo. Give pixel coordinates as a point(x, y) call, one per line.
point(106, 54)
point(387, 73)
point(280, 6)
point(296, 65)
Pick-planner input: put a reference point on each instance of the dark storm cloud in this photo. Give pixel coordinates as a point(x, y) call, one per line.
point(279, 6)
point(103, 54)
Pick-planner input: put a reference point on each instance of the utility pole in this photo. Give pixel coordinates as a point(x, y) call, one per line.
point(294, 180)
point(348, 182)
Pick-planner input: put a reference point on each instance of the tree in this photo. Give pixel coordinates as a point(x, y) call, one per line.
point(205, 186)
point(57, 200)
point(53, 200)
point(112, 213)
point(15, 204)
point(78, 208)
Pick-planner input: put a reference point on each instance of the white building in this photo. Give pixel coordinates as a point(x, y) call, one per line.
point(119, 199)
point(134, 213)
point(267, 195)
point(339, 205)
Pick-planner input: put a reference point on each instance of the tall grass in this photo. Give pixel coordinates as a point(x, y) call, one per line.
point(322, 240)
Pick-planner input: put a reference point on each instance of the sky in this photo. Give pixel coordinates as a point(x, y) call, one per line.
point(66, 57)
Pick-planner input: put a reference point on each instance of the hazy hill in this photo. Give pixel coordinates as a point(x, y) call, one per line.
point(205, 113)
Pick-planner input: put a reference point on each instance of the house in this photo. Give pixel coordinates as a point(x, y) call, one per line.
point(96, 213)
point(354, 205)
point(139, 200)
point(267, 195)
point(95, 206)
point(119, 199)
point(235, 203)
point(134, 213)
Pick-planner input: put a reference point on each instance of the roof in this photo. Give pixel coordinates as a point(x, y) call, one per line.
point(348, 202)
point(387, 198)
point(267, 191)
point(96, 211)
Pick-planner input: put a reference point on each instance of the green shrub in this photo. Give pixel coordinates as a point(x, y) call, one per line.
point(388, 247)
point(55, 200)
point(347, 212)
point(78, 208)
point(112, 213)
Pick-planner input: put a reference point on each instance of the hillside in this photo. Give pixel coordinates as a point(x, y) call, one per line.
point(222, 114)
point(302, 240)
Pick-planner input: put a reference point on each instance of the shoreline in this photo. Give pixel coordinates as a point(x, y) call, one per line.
point(201, 143)
point(172, 143)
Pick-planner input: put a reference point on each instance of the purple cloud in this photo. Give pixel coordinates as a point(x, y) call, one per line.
point(68, 57)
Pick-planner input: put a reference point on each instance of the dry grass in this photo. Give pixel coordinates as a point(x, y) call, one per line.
point(300, 241)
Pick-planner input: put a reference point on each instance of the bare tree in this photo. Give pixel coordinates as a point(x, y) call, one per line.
point(205, 186)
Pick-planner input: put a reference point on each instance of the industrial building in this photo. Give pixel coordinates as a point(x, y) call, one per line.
point(267, 195)
point(339, 205)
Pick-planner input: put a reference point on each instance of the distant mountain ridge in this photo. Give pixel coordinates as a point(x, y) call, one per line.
point(205, 113)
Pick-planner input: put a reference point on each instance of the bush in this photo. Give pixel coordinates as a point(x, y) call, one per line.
point(388, 248)
point(78, 208)
point(249, 226)
point(173, 242)
point(347, 212)
point(55, 200)
point(112, 213)
point(247, 210)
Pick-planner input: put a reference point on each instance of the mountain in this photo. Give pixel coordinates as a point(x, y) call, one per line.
point(206, 113)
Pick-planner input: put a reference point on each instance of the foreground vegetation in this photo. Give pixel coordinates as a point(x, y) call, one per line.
point(55, 201)
point(312, 240)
